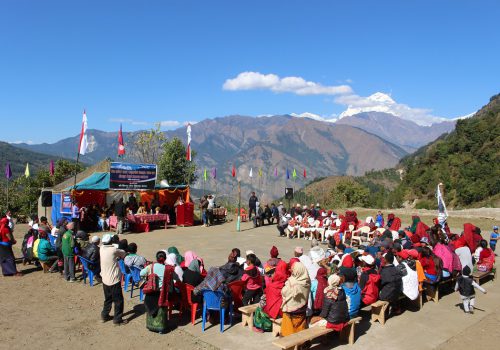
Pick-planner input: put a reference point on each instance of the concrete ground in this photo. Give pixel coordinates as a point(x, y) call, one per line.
point(442, 325)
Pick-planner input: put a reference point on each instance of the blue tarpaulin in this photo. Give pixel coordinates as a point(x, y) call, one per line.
point(96, 181)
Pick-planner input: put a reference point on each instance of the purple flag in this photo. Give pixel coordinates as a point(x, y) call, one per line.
point(52, 168)
point(214, 173)
point(275, 172)
point(8, 171)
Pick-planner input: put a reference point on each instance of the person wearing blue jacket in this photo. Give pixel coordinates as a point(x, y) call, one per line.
point(351, 289)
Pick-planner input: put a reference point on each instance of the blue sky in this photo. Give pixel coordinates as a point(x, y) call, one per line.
point(147, 61)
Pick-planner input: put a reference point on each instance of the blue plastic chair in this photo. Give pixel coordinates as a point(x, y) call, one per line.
point(135, 279)
point(52, 241)
point(211, 301)
point(127, 276)
point(86, 271)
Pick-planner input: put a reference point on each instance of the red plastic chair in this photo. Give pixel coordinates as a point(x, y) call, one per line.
point(236, 289)
point(187, 302)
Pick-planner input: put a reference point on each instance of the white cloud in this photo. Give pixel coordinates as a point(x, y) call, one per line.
point(344, 95)
point(28, 142)
point(295, 85)
point(170, 123)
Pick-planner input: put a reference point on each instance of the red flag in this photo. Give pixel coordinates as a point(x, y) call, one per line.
point(305, 174)
point(233, 172)
point(121, 145)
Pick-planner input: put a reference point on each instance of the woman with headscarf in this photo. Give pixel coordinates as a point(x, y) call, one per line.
point(295, 295)
point(414, 221)
point(189, 256)
point(172, 261)
point(335, 311)
point(270, 303)
point(193, 277)
point(179, 258)
point(7, 259)
point(156, 303)
point(317, 288)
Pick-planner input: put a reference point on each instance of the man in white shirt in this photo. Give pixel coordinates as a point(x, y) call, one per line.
point(111, 278)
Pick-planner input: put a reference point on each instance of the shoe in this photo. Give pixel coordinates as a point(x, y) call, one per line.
point(72, 280)
point(257, 330)
point(106, 319)
point(471, 312)
point(120, 323)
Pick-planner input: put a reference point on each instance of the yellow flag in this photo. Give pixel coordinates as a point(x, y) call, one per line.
point(27, 171)
point(260, 172)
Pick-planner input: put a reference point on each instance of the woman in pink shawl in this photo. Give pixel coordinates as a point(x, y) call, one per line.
point(189, 256)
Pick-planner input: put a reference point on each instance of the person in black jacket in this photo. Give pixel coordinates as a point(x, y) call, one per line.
point(232, 271)
point(335, 310)
point(252, 207)
point(92, 254)
point(391, 284)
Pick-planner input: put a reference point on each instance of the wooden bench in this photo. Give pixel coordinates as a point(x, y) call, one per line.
point(247, 314)
point(478, 275)
point(379, 308)
point(294, 341)
point(247, 319)
point(432, 289)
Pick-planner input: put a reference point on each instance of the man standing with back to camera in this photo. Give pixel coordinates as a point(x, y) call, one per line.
point(252, 202)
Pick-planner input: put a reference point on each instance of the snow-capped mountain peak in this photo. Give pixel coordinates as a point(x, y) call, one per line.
point(314, 117)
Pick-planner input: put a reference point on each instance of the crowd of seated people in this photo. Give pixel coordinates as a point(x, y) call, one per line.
point(319, 287)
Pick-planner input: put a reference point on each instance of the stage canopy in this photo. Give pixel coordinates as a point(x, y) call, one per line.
point(96, 181)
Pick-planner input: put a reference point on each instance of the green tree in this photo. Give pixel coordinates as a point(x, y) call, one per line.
point(348, 193)
point(173, 165)
point(148, 145)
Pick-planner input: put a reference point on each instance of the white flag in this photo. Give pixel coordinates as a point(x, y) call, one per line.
point(442, 212)
point(188, 149)
point(82, 149)
point(250, 173)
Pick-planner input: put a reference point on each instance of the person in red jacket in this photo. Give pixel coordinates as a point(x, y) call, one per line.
point(253, 289)
point(369, 280)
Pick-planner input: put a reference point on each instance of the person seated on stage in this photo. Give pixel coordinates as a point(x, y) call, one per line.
point(141, 210)
point(133, 259)
point(157, 210)
point(102, 224)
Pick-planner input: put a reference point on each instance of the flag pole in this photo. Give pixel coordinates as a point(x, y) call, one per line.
point(8, 194)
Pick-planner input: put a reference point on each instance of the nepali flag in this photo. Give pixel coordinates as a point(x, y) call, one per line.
point(188, 150)
point(121, 145)
point(82, 147)
point(305, 174)
point(233, 171)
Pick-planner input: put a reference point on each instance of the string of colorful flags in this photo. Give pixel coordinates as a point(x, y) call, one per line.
point(293, 174)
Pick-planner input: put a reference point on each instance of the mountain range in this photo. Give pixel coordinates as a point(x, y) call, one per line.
point(350, 146)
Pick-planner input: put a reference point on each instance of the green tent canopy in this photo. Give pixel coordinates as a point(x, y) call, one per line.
point(96, 181)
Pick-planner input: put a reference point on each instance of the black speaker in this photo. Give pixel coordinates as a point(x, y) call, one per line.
point(46, 198)
point(288, 193)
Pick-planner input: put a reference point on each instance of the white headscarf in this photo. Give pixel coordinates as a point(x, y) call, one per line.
point(172, 261)
point(312, 268)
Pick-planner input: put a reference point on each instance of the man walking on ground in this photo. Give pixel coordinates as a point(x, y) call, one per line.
point(111, 276)
point(252, 205)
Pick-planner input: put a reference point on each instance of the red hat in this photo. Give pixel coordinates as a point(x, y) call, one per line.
point(413, 253)
point(404, 254)
point(347, 261)
point(274, 252)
